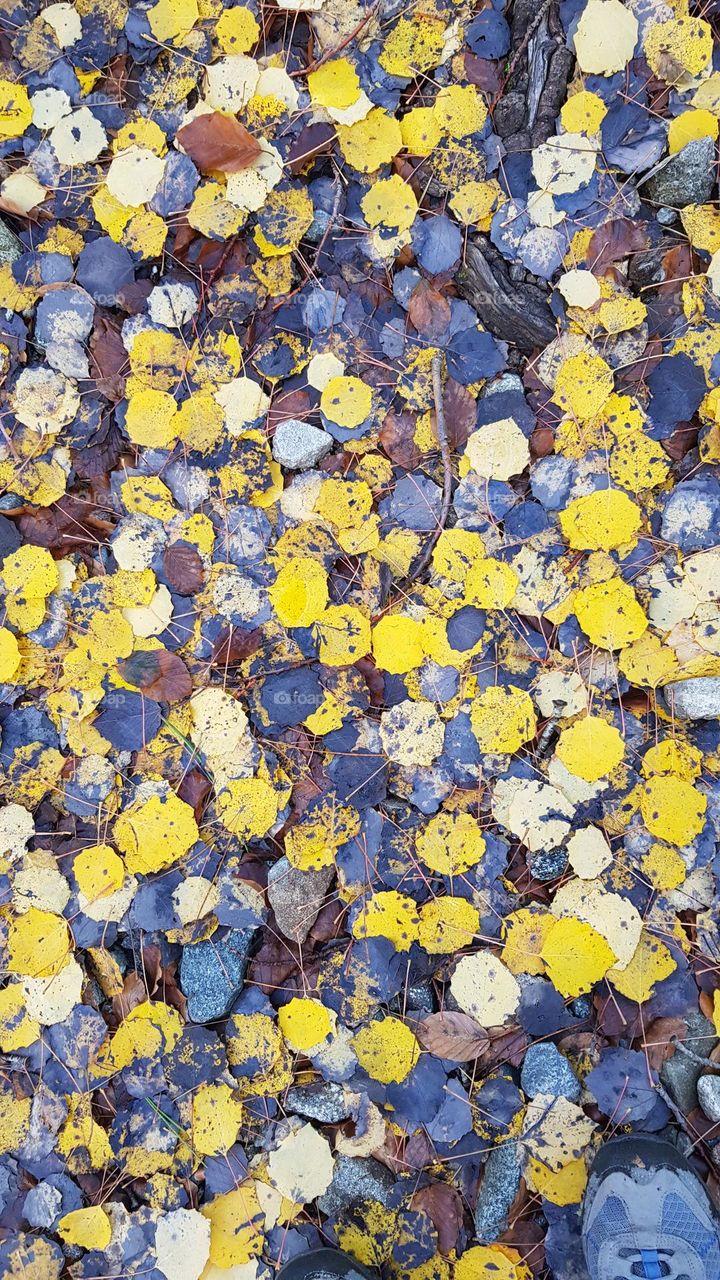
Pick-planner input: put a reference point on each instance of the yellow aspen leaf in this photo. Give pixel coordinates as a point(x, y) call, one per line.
point(386, 1049)
point(610, 614)
point(216, 1117)
point(672, 809)
point(451, 843)
point(651, 963)
point(591, 748)
point(89, 1228)
point(299, 594)
point(600, 521)
point(576, 956)
point(305, 1023)
point(236, 1226)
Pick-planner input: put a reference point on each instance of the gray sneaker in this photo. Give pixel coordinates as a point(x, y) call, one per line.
point(647, 1215)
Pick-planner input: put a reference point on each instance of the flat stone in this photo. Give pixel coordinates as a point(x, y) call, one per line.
point(547, 864)
point(10, 247)
point(323, 1102)
point(680, 1074)
point(296, 897)
point(212, 973)
point(687, 178)
point(298, 445)
point(546, 1070)
point(356, 1178)
point(708, 1091)
point(695, 699)
point(498, 1189)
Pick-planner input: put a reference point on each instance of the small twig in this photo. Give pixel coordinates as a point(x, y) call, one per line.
point(338, 48)
point(310, 270)
point(659, 1088)
point(694, 1057)
point(521, 50)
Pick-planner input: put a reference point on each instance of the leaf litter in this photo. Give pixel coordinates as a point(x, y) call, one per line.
point(360, 644)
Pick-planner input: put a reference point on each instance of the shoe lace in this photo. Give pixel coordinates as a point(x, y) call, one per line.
point(647, 1264)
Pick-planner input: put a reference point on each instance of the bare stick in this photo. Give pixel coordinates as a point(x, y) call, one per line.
point(694, 1057)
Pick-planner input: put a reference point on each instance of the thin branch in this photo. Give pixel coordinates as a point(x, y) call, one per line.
point(338, 48)
point(675, 1110)
point(694, 1057)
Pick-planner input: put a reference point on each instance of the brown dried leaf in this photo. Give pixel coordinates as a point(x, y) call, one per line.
point(194, 790)
point(218, 143)
point(396, 438)
point(184, 569)
point(614, 241)
point(429, 310)
point(134, 993)
point(314, 140)
point(657, 1043)
point(108, 359)
point(233, 646)
point(460, 413)
point(160, 674)
point(444, 1207)
point(455, 1036)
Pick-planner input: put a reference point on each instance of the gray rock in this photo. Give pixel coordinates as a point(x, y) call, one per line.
point(324, 1102)
point(687, 178)
point(296, 897)
point(299, 445)
point(708, 1091)
point(691, 515)
point(42, 1205)
point(212, 973)
point(10, 247)
point(498, 1189)
point(356, 1179)
point(695, 699)
point(546, 1070)
point(547, 864)
point(680, 1074)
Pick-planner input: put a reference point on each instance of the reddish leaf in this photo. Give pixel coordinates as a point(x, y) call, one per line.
point(184, 569)
point(108, 359)
point(134, 993)
point(314, 140)
point(614, 241)
point(218, 143)
point(657, 1043)
point(429, 310)
point(444, 1207)
point(456, 1036)
point(233, 646)
point(528, 1238)
point(160, 674)
point(506, 1046)
point(69, 524)
point(396, 438)
point(194, 790)
point(289, 404)
point(484, 73)
point(460, 413)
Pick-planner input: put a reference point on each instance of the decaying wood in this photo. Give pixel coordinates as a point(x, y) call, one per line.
point(515, 311)
point(535, 87)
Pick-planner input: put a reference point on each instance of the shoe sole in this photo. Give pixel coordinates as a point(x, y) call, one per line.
point(325, 1264)
point(622, 1153)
